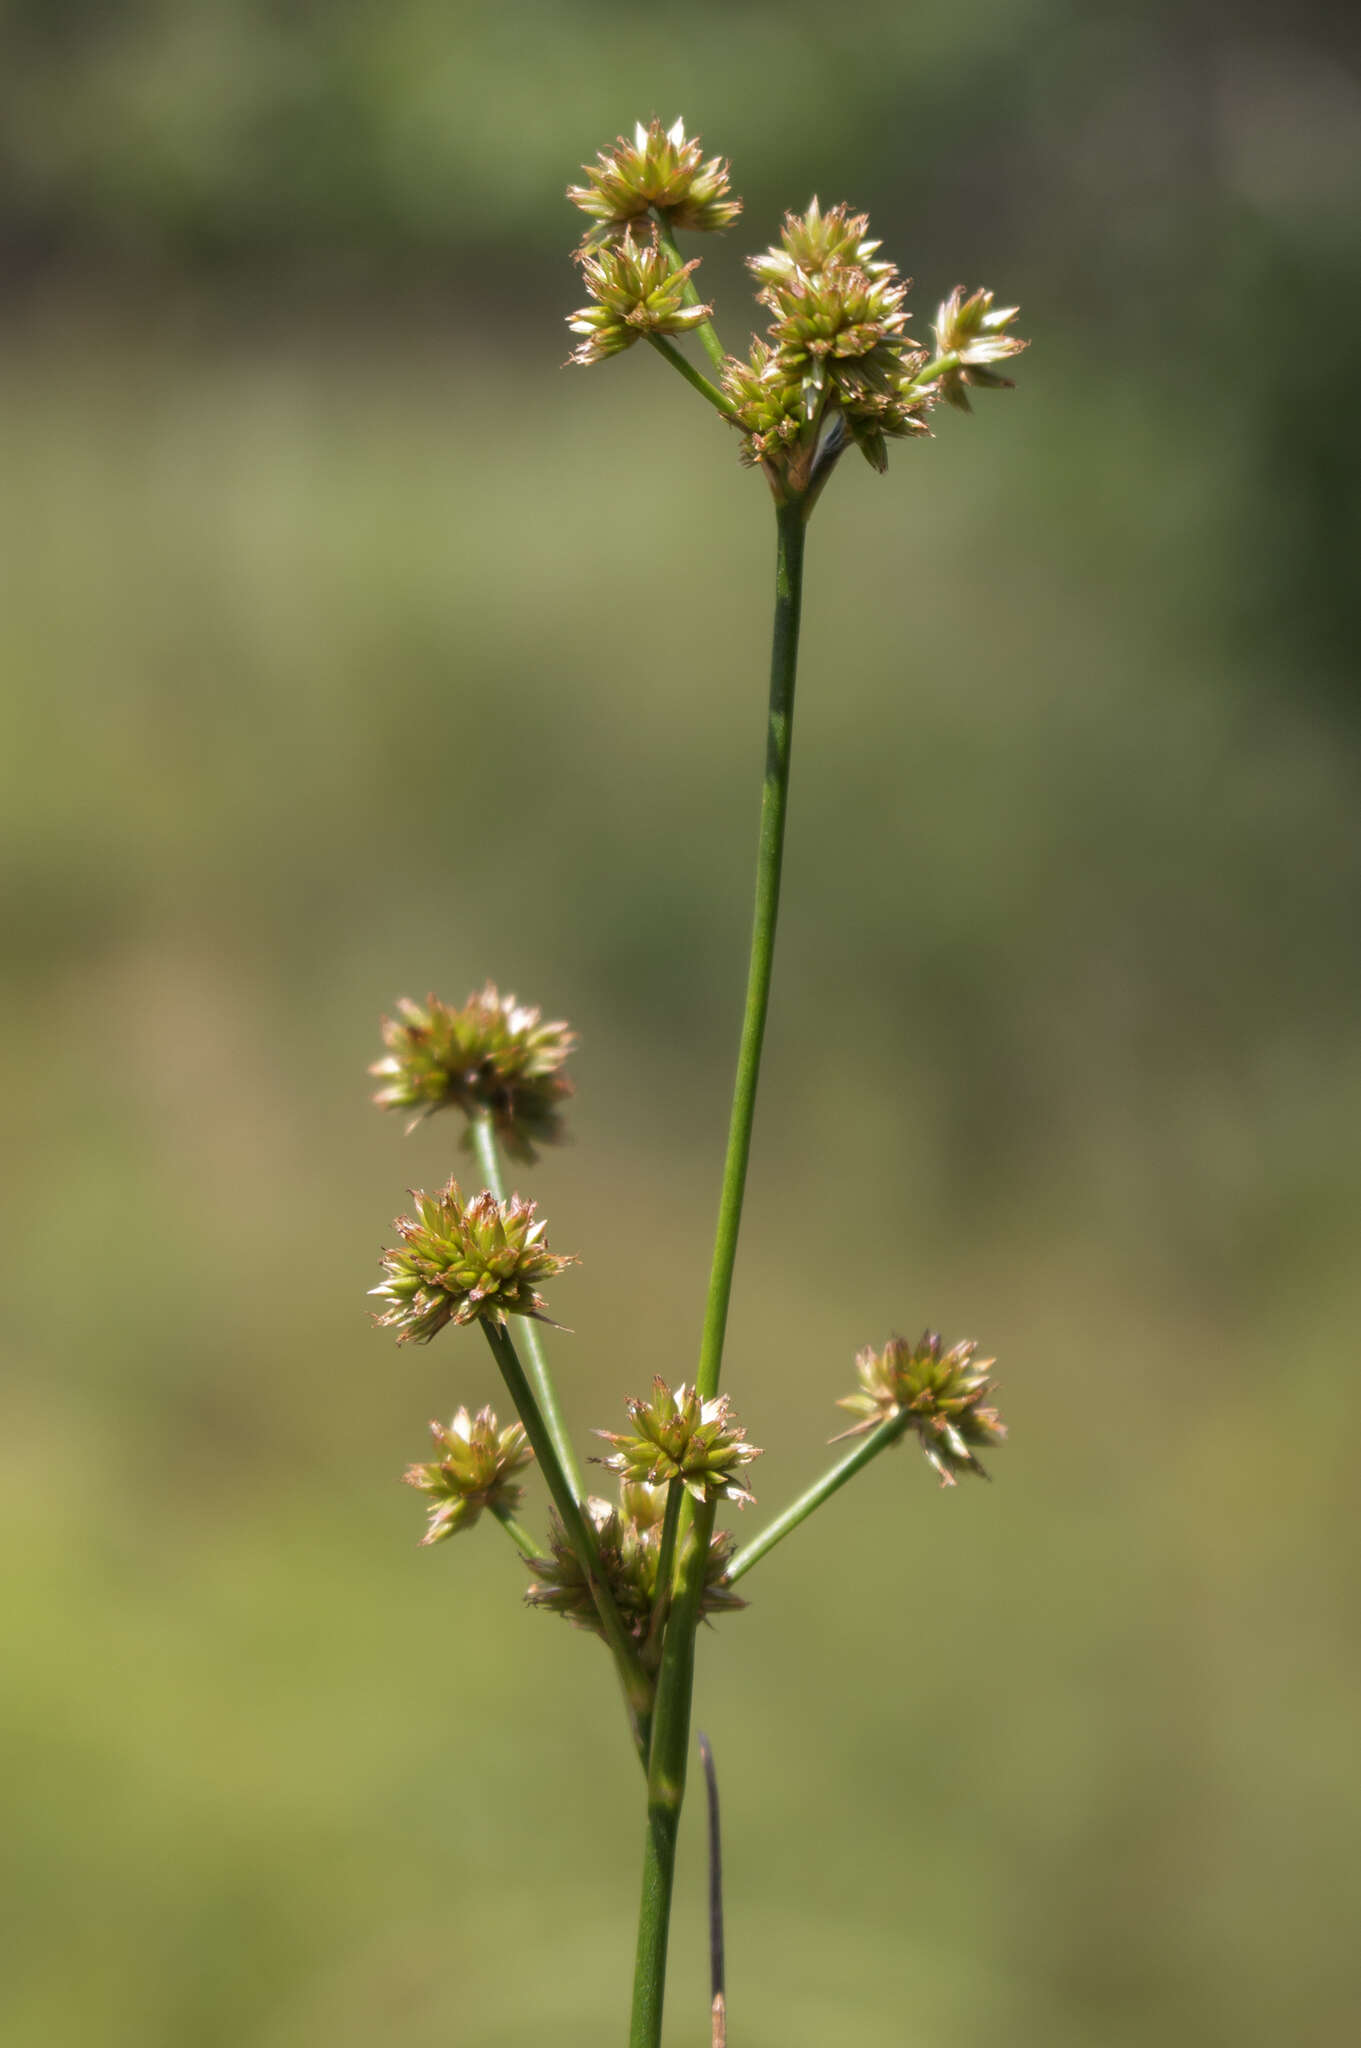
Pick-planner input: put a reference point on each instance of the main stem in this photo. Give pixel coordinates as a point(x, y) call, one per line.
point(671, 1724)
point(784, 656)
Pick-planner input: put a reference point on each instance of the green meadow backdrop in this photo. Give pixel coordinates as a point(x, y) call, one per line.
point(353, 648)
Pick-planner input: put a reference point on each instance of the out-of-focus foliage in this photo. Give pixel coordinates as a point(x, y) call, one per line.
point(308, 545)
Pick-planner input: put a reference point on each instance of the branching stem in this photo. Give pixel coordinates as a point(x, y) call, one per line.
point(521, 1538)
point(869, 1447)
point(635, 1681)
point(713, 347)
point(718, 399)
point(540, 1378)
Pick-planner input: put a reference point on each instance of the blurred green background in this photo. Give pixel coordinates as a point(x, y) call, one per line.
point(352, 648)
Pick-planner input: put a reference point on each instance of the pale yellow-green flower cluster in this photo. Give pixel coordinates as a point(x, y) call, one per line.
point(494, 1056)
point(474, 1469)
point(942, 1391)
point(660, 171)
point(463, 1262)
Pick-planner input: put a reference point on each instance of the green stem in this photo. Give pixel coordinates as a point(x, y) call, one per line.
point(635, 1681)
point(675, 1682)
point(930, 371)
point(784, 655)
point(521, 1538)
point(545, 1393)
point(713, 347)
point(716, 398)
point(666, 1553)
point(831, 1482)
point(666, 1786)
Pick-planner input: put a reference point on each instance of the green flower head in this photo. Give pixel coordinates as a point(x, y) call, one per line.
point(973, 331)
point(473, 1471)
point(637, 290)
point(494, 1056)
point(678, 1436)
point(660, 168)
point(942, 1390)
point(459, 1262)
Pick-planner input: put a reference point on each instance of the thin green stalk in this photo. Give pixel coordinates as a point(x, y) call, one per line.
point(521, 1538)
point(928, 374)
point(675, 1683)
point(666, 1786)
point(822, 1489)
point(666, 1554)
point(784, 656)
point(716, 398)
point(635, 1681)
point(713, 347)
point(545, 1393)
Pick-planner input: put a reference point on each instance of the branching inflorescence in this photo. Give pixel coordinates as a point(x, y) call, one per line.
point(835, 368)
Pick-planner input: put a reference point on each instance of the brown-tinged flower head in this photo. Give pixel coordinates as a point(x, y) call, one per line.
point(493, 1055)
point(838, 364)
point(637, 290)
point(628, 1538)
point(474, 1470)
point(942, 1390)
point(460, 1261)
point(678, 1436)
point(815, 241)
point(768, 404)
point(833, 312)
point(973, 331)
point(660, 168)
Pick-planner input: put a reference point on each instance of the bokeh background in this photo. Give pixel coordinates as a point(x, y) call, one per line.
point(353, 648)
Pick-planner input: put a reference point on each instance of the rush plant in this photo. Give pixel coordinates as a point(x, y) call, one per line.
point(835, 370)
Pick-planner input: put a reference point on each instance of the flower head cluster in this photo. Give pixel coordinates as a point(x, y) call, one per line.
point(837, 364)
point(637, 290)
point(474, 1469)
point(493, 1055)
point(628, 1540)
point(943, 1391)
point(837, 347)
point(660, 168)
point(460, 1261)
point(973, 332)
point(678, 1436)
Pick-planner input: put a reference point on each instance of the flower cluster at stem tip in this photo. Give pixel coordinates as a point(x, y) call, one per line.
point(474, 1470)
point(941, 1391)
point(494, 1056)
point(679, 1437)
point(836, 366)
point(464, 1261)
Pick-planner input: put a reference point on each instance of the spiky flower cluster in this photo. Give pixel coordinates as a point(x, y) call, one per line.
point(837, 364)
point(678, 1436)
point(493, 1055)
point(637, 290)
point(941, 1390)
point(628, 1541)
point(660, 168)
point(460, 1261)
point(970, 335)
point(474, 1470)
point(837, 348)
